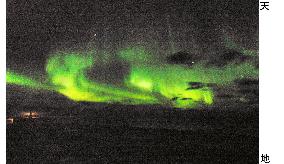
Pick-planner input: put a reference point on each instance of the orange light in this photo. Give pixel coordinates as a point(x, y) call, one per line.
point(25, 114)
point(10, 120)
point(29, 115)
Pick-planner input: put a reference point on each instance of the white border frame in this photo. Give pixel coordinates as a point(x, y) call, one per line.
point(3, 82)
point(271, 133)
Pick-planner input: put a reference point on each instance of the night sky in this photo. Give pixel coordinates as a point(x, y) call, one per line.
point(36, 29)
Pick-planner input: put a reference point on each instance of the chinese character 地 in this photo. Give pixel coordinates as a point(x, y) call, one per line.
point(265, 158)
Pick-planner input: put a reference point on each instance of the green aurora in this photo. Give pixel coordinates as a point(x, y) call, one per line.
point(149, 80)
point(22, 80)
